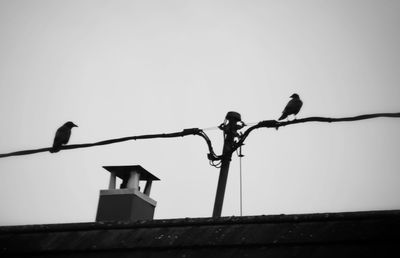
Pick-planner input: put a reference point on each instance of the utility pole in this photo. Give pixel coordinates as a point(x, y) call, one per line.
point(230, 127)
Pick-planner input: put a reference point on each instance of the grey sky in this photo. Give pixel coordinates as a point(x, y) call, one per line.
point(122, 68)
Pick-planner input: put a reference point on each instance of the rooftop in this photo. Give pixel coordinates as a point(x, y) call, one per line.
point(360, 234)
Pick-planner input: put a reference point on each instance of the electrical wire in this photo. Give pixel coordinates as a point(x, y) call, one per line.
point(250, 124)
point(241, 189)
point(215, 164)
point(210, 128)
point(196, 131)
point(240, 155)
point(218, 127)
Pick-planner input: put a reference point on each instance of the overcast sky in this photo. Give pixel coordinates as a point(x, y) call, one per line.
point(124, 68)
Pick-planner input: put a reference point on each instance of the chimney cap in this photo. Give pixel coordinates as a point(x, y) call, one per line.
point(124, 172)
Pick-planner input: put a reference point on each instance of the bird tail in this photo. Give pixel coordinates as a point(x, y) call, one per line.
point(283, 116)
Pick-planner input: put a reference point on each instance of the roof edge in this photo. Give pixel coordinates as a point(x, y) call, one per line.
point(278, 218)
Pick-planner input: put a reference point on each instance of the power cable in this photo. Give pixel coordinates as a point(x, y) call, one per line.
point(196, 131)
point(210, 128)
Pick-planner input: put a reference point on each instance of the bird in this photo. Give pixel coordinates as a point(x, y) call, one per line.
point(62, 136)
point(293, 107)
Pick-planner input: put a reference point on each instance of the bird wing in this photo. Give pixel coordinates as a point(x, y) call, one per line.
point(293, 107)
point(298, 105)
point(62, 136)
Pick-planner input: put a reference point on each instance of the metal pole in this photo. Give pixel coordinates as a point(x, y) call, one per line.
point(223, 176)
point(230, 132)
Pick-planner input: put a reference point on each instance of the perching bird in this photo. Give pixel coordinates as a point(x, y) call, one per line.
point(62, 136)
point(293, 106)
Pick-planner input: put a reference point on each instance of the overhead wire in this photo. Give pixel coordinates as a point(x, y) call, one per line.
point(250, 124)
point(196, 131)
point(240, 155)
point(210, 128)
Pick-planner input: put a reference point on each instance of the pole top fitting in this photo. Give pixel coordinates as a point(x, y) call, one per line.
point(233, 122)
point(232, 115)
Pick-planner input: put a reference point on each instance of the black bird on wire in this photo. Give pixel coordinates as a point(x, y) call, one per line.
point(62, 136)
point(293, 107)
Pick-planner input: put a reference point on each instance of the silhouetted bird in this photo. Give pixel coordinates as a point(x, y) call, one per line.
point(62, 136)
point(293, 107)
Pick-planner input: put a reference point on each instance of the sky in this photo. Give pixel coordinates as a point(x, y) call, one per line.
point(124, 68)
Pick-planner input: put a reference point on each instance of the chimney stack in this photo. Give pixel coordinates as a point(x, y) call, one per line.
point(127, 203)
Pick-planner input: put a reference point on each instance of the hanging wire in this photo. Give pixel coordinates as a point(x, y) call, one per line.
point(218, 127)
point(216, 164)
point(210, 128)
point(250, 124)
point(240, 155)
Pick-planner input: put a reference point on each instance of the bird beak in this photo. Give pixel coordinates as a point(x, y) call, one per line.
point(75, 125)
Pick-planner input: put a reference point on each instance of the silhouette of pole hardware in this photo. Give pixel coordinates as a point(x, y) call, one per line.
point(232, 124)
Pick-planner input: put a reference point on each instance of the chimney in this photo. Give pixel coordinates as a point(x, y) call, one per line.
point(127, 203)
